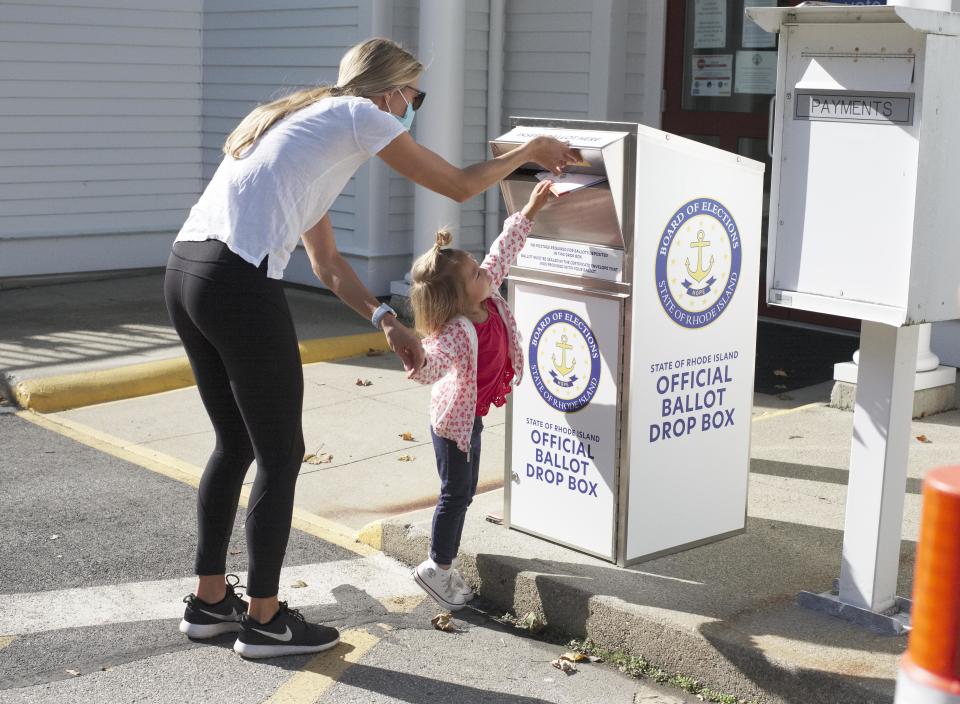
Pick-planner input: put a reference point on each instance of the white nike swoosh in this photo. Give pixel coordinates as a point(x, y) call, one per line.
point(232, 616)
point(287, 635)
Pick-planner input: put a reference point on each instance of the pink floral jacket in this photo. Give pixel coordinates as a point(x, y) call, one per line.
point(451, 353)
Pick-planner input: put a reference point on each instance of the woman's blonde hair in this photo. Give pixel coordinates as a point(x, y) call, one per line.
point(437, 290)
point(367, 69)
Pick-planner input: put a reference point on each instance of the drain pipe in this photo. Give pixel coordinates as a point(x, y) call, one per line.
point(491, 211)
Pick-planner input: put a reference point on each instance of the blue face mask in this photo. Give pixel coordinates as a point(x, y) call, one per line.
point(407, 119)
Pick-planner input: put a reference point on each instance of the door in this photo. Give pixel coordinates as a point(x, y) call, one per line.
point(719, 80)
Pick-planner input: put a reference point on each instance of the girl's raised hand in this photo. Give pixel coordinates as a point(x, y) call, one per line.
point(538, 198)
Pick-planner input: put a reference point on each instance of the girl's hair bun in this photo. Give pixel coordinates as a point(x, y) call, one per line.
point(444, 238)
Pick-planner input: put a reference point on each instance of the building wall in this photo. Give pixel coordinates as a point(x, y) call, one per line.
point(99, 132)
point(114, 112)
point(255, 51)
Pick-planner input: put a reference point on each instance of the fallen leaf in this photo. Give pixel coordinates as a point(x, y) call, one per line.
point(54, 537)
point(363, 382)
point(785, 397)
point(106, 669)
point(495, 517)
point(923, 439)
point(779, 372)
point(574, 657)
point(564, 666)
point(408, 437)
point(531, 622)
point(795, 437)
point(444, 622)
point(75, 673)
point(299, 584)
point(321, 458)
point(374, 353)
point(405, 458)
point(780, 386)
point(235, 552)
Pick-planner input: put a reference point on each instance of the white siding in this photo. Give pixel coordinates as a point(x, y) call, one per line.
point(644, 62)
point(99, 131)
point(255, 51)
point(547, 59)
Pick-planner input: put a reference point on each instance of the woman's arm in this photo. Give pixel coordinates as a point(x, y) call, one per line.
point(432, 171)
point(337, 275)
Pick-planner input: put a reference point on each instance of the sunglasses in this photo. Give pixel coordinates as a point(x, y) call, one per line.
point(418, 98)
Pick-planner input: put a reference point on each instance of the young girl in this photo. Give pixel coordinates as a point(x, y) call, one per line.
point(473, 355)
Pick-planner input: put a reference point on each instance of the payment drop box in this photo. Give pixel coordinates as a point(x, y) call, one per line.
point(636, 299)
point(866, 132)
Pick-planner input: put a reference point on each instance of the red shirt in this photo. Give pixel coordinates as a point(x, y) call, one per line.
point(494, 371)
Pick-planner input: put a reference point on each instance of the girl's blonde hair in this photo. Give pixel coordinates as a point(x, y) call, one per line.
point(367, 69)
point(437, 290)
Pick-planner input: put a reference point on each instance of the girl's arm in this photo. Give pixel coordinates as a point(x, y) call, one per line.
point(432, 171)
point(436, 364)
point(507, 246)
point(337, 275)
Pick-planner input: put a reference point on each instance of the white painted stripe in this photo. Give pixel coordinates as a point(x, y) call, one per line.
point(377, 575)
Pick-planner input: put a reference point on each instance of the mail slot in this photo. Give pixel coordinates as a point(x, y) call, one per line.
point(865, 133)
point(635, 296)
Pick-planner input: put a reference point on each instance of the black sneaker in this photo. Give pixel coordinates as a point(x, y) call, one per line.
point(203, 620)
point(287, 633)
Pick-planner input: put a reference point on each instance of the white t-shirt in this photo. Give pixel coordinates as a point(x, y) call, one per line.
point(261, 203)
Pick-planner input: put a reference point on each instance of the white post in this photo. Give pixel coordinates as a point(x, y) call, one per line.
point(443, 27)
point(878, 466)
point(495, 34)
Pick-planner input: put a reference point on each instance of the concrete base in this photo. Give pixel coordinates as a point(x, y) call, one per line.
point(724, 613)
point(934, 391)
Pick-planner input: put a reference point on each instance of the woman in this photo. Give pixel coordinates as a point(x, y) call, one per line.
point(285, 164)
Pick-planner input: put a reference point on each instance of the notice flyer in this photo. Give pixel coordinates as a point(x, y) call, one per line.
point(756, 72)
point(712, 75)
point(710, 24)
point(753, 36)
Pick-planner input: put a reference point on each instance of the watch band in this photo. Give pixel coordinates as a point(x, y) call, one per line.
point(378, 314)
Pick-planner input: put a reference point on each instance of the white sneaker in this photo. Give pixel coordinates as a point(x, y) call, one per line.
point(460, 584)
point(439, 585)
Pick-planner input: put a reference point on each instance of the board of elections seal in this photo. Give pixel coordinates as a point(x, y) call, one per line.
point(698, 263)
point(564, 360)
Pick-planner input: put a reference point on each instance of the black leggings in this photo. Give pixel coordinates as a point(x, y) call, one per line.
point(239, 336)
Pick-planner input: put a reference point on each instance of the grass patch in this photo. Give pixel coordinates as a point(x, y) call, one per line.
point(641, 668)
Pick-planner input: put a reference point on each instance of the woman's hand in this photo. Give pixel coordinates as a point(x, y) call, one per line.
point(404, 343)
point(538, 199)
point(551, 154)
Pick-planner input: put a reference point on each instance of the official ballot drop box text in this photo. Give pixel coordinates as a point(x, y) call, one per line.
point(636, 298)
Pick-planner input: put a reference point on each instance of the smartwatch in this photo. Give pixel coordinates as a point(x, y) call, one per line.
point(378, 314)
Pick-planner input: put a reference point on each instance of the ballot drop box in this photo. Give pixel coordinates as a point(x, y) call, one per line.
point(636, 298)
point(865, 150)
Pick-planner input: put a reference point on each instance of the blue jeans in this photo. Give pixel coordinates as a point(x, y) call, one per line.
point(458, 484)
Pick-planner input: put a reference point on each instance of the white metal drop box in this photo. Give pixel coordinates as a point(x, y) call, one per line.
point(866, 130)
point(636, 297)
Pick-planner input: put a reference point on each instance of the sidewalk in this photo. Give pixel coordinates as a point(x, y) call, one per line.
point(722, 613)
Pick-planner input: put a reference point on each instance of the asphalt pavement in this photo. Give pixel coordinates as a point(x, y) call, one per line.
point(97, 554)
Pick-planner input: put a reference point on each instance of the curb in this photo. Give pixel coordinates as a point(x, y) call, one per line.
point(61, 393)
point(718, 656)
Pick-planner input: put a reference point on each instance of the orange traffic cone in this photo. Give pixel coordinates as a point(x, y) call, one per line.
point(930, 669)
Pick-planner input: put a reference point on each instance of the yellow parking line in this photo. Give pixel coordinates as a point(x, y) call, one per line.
point(323, 671)
point(787, 411)
point(181, 471)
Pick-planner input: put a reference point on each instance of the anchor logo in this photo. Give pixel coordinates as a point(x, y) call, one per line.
point(700, 273)
point(563, 346)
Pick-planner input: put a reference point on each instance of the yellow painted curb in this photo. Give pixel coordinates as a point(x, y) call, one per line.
point(61, 393)
point(372, 535)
